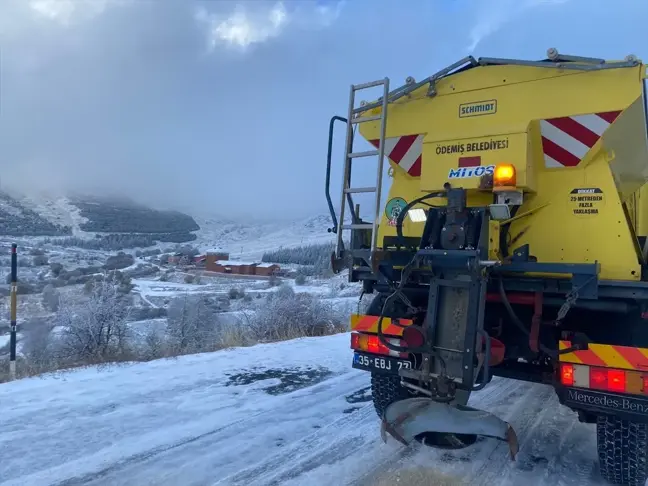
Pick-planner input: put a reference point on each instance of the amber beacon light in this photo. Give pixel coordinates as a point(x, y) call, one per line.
point(504, 176)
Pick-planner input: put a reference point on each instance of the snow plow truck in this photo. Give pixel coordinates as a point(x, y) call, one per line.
point(512, 242)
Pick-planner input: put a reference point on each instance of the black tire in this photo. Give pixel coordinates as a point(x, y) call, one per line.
point(622, 450)
point(385, 390)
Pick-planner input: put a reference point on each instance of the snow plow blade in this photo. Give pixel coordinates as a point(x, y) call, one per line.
point(406, 419)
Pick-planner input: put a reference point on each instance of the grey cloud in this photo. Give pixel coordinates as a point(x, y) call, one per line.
point(131, 99)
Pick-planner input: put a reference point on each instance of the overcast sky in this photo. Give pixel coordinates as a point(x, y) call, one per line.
point(224, 105)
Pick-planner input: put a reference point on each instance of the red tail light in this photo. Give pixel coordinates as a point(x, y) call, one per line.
point(567, 374)
point(605, 379)
point(598, 378)
point(375, 346)
point(372, 344)
point(616, 381)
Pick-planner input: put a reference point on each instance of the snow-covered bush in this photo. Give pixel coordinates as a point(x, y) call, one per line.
point(287, 315)
point(236, 293)
point(51, 298)
point(56, 268)
point(119, 261)
point(95, 330)
point(40, 261)
point(192, 325)
point(39, 348)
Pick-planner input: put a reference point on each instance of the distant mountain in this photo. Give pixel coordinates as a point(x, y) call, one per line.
point(18, 219)
point(103, 223)
point(90, 217)
point(111, 215)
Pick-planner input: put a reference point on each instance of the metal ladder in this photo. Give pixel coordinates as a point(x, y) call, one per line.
point(349, 155)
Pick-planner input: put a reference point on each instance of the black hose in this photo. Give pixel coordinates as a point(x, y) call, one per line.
point(401, 216)
point(552, 353)
point(504, 234)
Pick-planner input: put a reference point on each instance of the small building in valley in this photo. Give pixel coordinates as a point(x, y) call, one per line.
point(267, 269)
point(236, 267)
point(212, 256)
point(231, 266)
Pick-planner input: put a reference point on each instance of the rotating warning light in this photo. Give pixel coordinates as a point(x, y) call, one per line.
point(504, 175)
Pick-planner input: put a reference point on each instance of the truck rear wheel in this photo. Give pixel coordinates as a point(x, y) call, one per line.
point(622, 450)
point(386, 389)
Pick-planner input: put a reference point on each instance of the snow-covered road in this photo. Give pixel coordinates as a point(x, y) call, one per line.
point(291, 413)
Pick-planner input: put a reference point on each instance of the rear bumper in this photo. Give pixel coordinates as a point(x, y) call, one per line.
point(626, 407)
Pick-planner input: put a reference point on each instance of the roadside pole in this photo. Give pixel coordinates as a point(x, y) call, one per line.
point(14, 292)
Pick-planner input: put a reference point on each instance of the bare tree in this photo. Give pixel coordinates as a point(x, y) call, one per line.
point(39, 347)
point(51, 298)
point(192, 324)
point(157, 345)
point(95, 330)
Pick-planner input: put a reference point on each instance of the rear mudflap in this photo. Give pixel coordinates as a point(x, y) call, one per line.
point(406, 419)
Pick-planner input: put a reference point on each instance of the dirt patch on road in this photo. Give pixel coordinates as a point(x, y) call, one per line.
point(420, 476)
point(290, 379)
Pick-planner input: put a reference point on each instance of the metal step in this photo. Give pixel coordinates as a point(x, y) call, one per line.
point(368, 153)
point(371, 84)
point(363, 119)
point(357, 226)
point(353, 190)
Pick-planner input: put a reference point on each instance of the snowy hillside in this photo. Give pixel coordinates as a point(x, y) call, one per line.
point(118, 224)
point(292, 413)
point(250, 241)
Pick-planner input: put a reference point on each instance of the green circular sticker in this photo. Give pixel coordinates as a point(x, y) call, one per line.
point(394, 207)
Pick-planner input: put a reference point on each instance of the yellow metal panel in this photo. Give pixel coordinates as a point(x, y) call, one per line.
point(445, 155)
point(563, 231)
point(642, 211)
point(494, 112)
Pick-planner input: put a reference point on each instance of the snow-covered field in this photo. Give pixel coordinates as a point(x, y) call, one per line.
point(292, 413)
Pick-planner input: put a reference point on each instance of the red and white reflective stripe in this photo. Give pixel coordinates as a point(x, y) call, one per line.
point(566, 140)
point(405, 151)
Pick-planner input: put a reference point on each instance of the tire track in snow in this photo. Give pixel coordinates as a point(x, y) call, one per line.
point(555, 449)
point(525, 417)
point(205, 458)
point(328, 445)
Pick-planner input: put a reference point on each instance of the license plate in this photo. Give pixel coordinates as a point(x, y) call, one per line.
point(384, 364)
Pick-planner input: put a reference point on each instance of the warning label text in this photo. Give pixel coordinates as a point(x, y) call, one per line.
point(586, 201)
